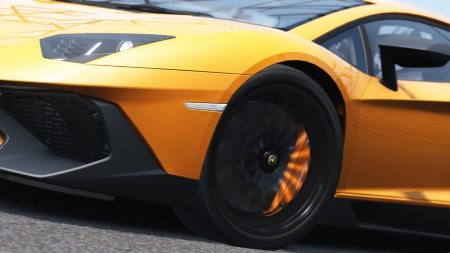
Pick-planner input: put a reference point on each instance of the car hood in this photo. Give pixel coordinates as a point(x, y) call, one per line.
point(200, 44)
point(23, 20)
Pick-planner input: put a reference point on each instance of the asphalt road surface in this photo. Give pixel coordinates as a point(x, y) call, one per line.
point(35, 220)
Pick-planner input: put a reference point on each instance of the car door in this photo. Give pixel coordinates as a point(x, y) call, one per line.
point(403, 147)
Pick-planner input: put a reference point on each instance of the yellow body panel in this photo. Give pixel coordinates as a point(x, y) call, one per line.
point(403, 148)
point(167, 92)
point(378, 195)
point(196, 56)
point(413, 140)
point(21, 20)
point(207, 62)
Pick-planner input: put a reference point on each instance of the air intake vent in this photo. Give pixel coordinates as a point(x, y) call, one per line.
point(67, 124)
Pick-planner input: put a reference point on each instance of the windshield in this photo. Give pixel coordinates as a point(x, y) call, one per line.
point(283, 14)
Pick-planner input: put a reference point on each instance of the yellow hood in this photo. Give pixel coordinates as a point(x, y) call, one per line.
point(21, 20)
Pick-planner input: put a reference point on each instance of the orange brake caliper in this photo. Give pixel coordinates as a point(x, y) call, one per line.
point(295, 174)
point(2, 138)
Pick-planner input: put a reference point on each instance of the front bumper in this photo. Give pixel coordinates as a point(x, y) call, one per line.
point(130, 170)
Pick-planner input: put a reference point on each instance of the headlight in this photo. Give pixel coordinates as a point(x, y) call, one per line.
point(83, 48)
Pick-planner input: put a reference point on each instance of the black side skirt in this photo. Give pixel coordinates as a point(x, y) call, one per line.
point(401, 218)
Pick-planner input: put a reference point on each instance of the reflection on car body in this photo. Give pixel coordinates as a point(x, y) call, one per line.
point(254, 120)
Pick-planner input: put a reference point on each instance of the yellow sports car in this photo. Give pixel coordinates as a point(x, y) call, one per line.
point(256, 120)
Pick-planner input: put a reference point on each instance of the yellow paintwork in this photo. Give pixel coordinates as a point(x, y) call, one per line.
point(404, 143)
point(207, 62)
point(402, 152)
point(161, 93)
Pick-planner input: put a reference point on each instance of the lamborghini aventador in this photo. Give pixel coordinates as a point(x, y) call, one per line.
point(256, 120)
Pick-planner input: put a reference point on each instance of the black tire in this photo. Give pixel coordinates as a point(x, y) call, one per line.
point(238, 201)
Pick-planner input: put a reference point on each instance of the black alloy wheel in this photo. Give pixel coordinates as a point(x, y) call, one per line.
point(273, 165)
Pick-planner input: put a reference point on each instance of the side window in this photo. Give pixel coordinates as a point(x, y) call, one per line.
point(379, 30)
point(348, 45)
point(444, 32)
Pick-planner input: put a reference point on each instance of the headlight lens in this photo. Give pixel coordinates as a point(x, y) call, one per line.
point(83, 48)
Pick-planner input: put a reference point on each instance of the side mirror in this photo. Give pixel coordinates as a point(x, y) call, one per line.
point(410, 52)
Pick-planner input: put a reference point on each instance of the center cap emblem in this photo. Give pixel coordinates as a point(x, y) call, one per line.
point(272, 159)
point(269, 161)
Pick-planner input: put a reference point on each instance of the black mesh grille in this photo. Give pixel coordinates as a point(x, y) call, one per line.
point(67, 124)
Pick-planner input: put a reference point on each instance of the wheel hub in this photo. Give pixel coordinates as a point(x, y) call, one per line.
point(254, 152)
point(269, 161)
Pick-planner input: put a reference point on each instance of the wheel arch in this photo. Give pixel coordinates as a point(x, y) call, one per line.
point(326, 82)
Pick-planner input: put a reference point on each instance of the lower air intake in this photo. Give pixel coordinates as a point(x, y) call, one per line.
point(66, 123)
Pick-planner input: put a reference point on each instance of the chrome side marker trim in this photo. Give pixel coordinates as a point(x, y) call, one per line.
point(206, 106)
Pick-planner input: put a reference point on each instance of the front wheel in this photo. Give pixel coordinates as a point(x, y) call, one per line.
point(273, 166)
